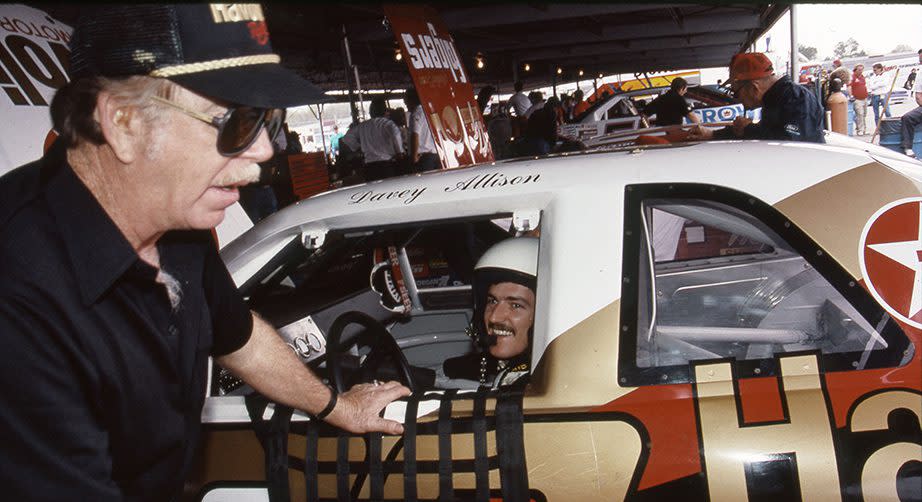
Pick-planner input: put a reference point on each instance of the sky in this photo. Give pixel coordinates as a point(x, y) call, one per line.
point(877, 28)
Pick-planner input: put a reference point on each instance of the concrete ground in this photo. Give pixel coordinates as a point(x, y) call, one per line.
point(895, 111)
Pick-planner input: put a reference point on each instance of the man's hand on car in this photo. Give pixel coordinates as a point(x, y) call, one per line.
point(739, 125)
point(358, 409)
point(699, 132)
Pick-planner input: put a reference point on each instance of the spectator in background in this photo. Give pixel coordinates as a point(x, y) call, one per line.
point(499, 129)
point(671, 108)
point(878, 86)
point(537, 102)
point(565, 110)
point(519, 102)
point(423, 154)
point(859, 94)
point(842, 73)
point(581, 104)
point(399, 117)
point(540, 132)
point(484, 97)
point(334, 143)
point(911, 120)
point(557, 105)
point(379, 140)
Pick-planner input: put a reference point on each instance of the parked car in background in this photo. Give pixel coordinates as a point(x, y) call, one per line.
point(622, 111)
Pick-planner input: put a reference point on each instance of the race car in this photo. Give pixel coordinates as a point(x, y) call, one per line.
point(733, 320)
point(621, 112)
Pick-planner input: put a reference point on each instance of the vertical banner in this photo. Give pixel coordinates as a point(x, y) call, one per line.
point(443, 85)
point(33, 65)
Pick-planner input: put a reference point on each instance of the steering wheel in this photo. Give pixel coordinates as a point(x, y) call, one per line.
point(378, 338)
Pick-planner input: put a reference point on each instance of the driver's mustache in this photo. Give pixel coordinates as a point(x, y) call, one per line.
point(493, 326)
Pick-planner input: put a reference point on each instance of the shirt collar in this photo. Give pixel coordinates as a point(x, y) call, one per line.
point(98, 250)
point(773, 94)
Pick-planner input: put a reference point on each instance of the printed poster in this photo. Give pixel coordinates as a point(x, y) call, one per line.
point(33, 59)
point(443, 85)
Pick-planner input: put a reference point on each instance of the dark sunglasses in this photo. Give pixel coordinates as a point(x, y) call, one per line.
point(239, 127)
point(736, 89)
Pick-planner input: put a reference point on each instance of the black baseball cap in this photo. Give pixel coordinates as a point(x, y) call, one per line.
point(218, 50)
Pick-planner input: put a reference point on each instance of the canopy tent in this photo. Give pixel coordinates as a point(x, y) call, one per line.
point(595, 38)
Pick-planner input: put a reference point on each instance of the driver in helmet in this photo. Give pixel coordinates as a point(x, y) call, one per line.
point(504, 316)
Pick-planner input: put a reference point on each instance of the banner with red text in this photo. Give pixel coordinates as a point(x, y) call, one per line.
point(443, 85)
point(33, 59)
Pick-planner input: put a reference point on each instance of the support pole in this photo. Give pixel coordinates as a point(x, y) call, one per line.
point(347, 58)
point(794, 50)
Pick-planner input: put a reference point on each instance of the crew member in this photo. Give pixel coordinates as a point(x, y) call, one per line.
point(671, 107)
point(911, 119)
point(789, 111)
point(380, 141)
point(504, 315)
point(423, 154)
point(112, 293)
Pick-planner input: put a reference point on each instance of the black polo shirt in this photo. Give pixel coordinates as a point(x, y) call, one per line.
point(102, 380)
point(669, 107)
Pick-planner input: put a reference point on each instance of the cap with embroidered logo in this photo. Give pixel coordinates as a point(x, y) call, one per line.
point(220, 50)
point(750, 66)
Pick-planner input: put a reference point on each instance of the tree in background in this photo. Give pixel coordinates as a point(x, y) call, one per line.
point(902, 48)
point(848, 48)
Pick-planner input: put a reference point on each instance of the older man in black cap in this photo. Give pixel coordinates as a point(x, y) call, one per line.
point(112, 294)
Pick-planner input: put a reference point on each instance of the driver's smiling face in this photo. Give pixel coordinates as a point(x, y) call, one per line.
point(508, 316)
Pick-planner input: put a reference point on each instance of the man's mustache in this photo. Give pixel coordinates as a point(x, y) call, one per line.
point(241, 175)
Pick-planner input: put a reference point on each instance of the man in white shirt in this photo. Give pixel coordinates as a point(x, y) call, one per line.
point(519, 101)
point(911, 119)
point(423, 155)
point(380, 141)
point(878, 86)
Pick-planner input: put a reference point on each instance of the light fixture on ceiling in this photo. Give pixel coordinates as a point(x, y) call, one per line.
point(559, 70)
point(398, 56)
point(527, 67)
point(581, 73)
point(479, 61)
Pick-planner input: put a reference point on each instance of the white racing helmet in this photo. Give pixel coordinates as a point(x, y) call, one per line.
point(512, 260)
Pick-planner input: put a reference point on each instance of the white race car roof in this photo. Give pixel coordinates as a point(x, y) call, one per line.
point(580, 198)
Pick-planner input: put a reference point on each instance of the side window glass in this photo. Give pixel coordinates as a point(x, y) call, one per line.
point(715, 282)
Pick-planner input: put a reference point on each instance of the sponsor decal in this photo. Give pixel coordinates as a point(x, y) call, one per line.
point(407, 196)
point(890, 257)
point(442, 83)
point(259, 32)
point(725, 114)
point(236, 12)
point(33, 64)
point(492, 180)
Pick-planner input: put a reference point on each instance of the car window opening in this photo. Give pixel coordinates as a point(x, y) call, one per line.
point(413, 283)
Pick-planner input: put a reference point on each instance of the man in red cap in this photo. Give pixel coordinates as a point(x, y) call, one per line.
point(789, 111)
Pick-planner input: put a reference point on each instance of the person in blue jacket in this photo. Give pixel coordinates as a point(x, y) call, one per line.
point(789, 111)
